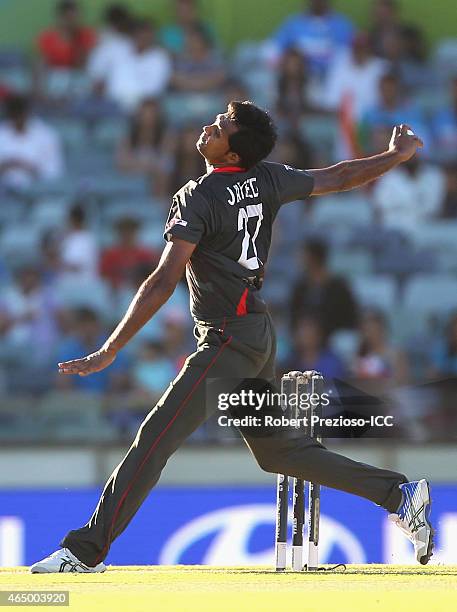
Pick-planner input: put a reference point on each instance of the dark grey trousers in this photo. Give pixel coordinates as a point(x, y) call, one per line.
point(241, 348)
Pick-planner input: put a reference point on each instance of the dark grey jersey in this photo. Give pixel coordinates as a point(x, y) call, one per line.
point(229, 213)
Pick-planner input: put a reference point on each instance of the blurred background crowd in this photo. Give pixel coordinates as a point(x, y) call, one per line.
point(98, 129)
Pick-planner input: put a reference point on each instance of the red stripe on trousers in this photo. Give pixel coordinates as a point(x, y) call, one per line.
point(151, 449)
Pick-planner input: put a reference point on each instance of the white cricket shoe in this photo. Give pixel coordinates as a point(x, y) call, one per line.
point(413, 518)
point(64, 561)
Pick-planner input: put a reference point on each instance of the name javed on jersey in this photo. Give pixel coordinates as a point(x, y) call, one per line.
point(241, 191)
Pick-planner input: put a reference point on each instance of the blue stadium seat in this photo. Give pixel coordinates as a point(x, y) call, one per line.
point(144, 209)
point(405, 261)
point(375, 291)
point(66, 83)
point(261, 85)
point(351, 262)
point(151, 234)
point(445, 59)
point(437, 235)
point(321, 131)
point(248, 55)
point(16, 78)
point(12, 210)
point(431, 294)
point(50, 212)
point(19, 243)
point(184, 109)
point(73, 132)
point(64, 186)
point(349, 210)
point(107, 133)
point(113, 185)
point(95, 294)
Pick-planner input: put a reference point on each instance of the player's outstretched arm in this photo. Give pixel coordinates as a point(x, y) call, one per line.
point(152, 294)
point(350, 174)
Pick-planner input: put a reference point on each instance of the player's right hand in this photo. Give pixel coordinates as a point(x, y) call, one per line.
point(94, 362)
point(404, 142)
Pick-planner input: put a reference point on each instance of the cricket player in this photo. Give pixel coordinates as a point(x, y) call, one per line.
point(218, 232)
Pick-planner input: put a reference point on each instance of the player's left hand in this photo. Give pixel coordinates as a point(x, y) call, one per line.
point(88, 365)
point(404, 142)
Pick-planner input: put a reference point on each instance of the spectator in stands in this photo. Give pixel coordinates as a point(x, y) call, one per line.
point(449, 203)
point(120, 261)
point(31, 308)
point(311, 351)
point(68, 43)
point(393, 108)
point(50, 256)
point(444, 353)
point(188, 163)
point(406, 51)
point(152, 372)
point(319, 291)
point(353, 79)
point(415, 71)
point(86, 335)
point(377, 358)
point(198, 68)
point(175, 337)
point(148, 148)
point(409, 195)
point(318, 32)
point(143, 72)
point(385, 23)
point(444, 125)
point(113, 44)
point(29, 149)
point(78, 249)
point(293, 82)
point(294, 150)
point(5, 91)
point(173, 36)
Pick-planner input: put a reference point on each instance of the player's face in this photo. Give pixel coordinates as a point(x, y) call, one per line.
point(213, 143)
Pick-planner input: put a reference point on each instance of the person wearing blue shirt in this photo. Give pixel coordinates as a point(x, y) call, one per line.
point(319, 33)
point(392, 108)
point(86, 336)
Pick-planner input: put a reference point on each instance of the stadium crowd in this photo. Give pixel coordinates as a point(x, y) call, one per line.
point(98, 130)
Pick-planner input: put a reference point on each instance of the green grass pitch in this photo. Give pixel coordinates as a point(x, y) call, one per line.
point(382, 588)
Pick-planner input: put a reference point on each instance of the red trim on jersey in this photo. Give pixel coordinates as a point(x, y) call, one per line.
point(229, 169)
point(241, 309)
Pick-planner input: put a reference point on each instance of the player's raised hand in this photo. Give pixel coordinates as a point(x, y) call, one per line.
point(88, 365)
point(404, 142)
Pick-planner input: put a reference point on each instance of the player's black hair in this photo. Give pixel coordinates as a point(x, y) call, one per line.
point(256, 135)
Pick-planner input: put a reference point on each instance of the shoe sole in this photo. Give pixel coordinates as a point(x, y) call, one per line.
point(426, 558)
point(45, 571)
